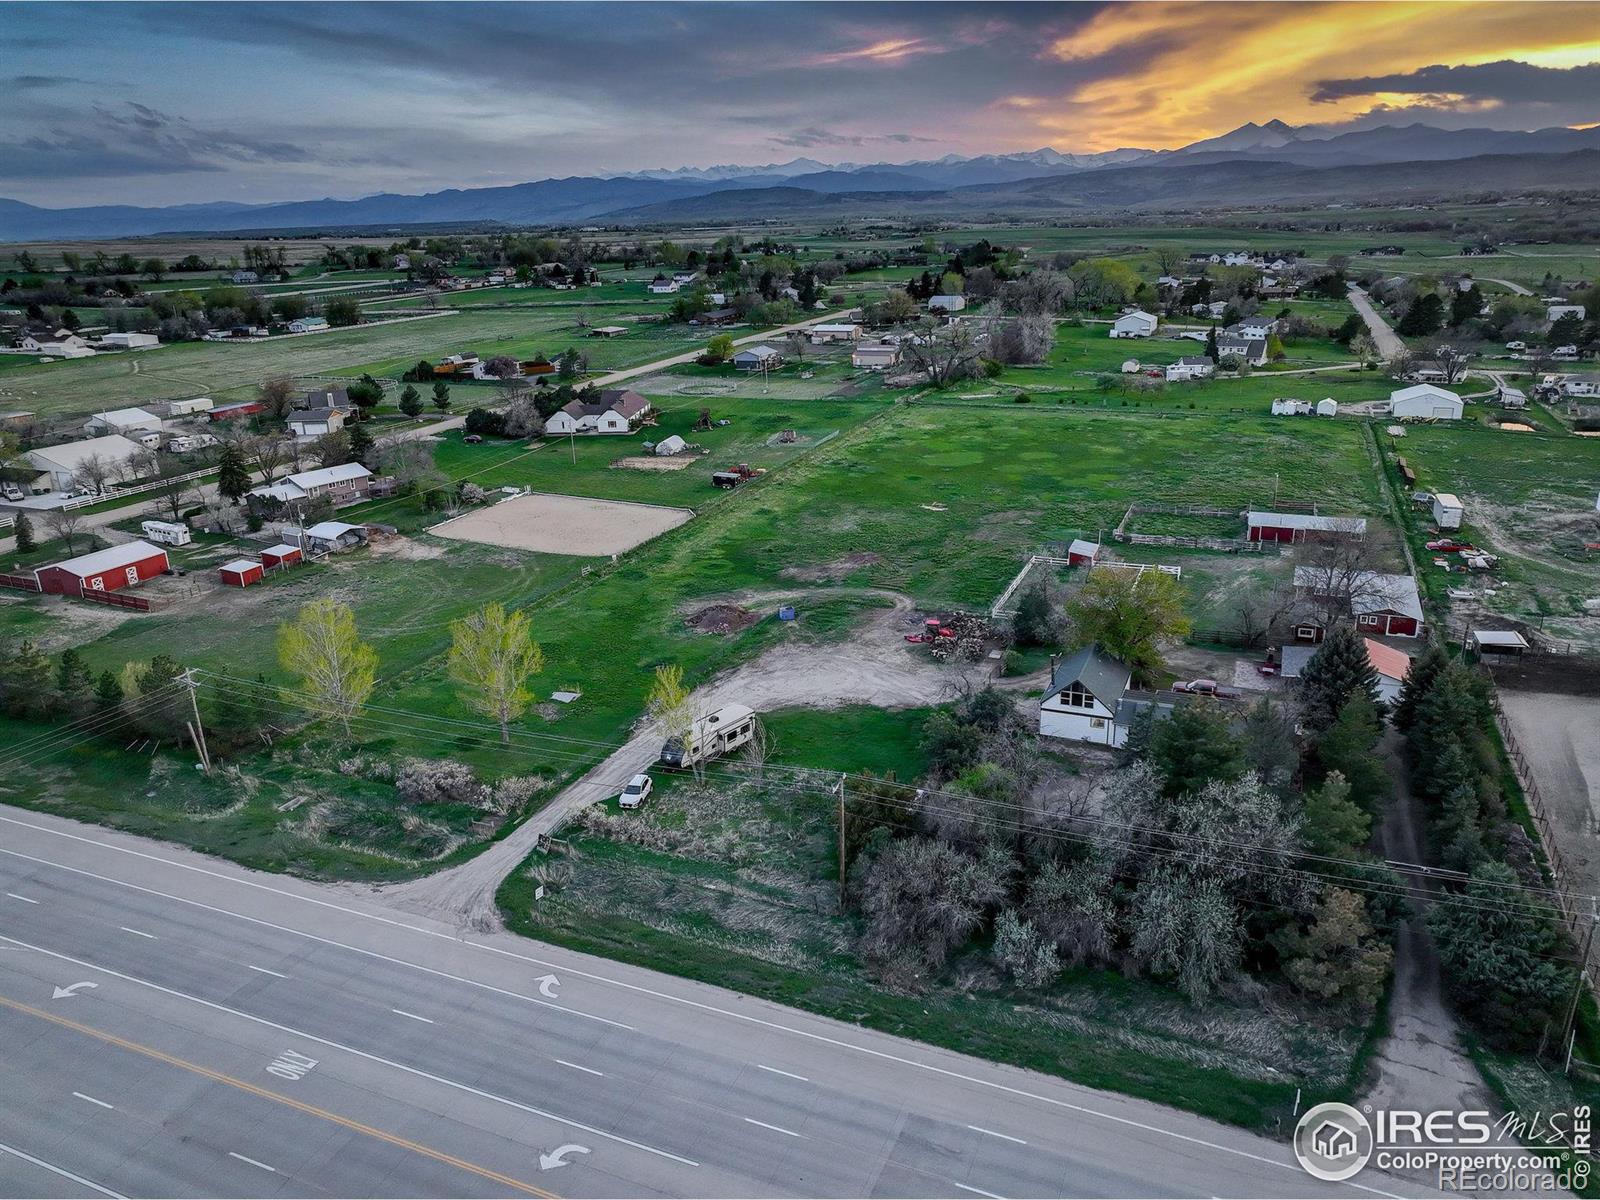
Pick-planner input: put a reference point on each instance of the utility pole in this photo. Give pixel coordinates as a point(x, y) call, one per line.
point(841, 841)
point(1583, 975)
point(197, 731)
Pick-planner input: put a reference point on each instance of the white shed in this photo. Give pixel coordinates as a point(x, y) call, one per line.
point(1327, 407)
point(670, 445)
point(1447, 510)
point(1134, 324)
point(1425, 400)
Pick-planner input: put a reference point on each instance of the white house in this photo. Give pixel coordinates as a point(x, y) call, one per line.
point(61, 463)
point(1447, 510)
point(1580, 385)
point(1425, 400)
point(874, 356)
point(823, 334)
point(1187, 368)
point(1249, 350)
point(1555, 312)
point(617, 410)
point(131, 341)
point(1088, 700)
point(685, 278)
point(122, 420)
point(661, 286)
point(308, 325)
point(1134, 324)
point(346, 483)
point(1254, 327)
point(950, 304)
point(62, 344)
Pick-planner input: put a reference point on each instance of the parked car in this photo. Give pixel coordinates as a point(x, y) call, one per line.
point(636, 793)
point(1204, 687)
point(472, 439)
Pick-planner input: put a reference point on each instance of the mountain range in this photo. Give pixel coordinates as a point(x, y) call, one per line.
point(1268, 163)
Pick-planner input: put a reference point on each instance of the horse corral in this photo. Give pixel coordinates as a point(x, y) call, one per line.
point(552, 524)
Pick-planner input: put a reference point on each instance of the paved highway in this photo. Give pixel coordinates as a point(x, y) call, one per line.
point(176, 1026)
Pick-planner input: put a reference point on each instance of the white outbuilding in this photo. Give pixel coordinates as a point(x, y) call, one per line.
point(1327, 407)
point(1447, 510)
point(1134, 324)
point(1425, 400)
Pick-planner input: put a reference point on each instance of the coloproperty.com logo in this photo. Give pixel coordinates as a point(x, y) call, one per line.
point(1470, 1150)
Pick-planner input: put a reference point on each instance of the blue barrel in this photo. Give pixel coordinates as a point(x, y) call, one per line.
point(786, 613)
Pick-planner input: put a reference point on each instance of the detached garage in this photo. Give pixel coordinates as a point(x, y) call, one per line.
point(241, 572)
point(103, 571)
point(281, 555)
point(1425, 401)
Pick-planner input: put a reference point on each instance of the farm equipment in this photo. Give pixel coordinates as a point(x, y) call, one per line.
point(732, 477)
point(959, 635)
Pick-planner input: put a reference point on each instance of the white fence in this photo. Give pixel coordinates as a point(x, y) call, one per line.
point(135, 489)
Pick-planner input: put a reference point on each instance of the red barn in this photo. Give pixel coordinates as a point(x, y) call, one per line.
point(1082, 553)
point(1299, 527)
point(241, 572)
point(281, 555)
point(1381, 605)
point(232, 412)
point(104, 570)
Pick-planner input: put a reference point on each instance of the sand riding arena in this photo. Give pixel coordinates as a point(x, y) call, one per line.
point(551, 524)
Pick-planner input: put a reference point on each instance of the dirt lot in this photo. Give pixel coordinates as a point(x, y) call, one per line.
point(552, 524)
point(650, 462)
point(1556, 734)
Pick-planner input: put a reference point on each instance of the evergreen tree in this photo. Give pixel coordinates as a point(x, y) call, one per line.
point(1465, 305)
point(1211, 344)
point(233, 475)
point(441, 395)
point(107, 690)
point(1035, 624)
point(1424, 318)
point(1425, 669)
point(1269, 746)
point(73, 677)
point(411, 402)
point(23, 532)
point(362, 446)
point(1334, 823)
point(26, 686)
point(1337, 671)
point(1193, 747)
point(1349, 748)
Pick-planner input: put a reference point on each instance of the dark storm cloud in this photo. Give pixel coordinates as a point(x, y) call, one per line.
point(1507, 82)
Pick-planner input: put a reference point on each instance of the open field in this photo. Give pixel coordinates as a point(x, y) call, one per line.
point(550, 524)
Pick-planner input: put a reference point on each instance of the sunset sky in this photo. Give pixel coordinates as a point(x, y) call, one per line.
point(169, 103)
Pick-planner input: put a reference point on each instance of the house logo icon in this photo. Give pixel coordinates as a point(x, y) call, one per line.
point(1333, 1141)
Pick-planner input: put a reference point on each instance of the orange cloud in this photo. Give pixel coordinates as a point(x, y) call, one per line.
point(891, 50)
point(1202, 69)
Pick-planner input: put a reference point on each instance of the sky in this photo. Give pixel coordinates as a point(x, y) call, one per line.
point(155, 104)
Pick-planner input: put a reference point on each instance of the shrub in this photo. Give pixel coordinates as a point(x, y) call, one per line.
point(439, 781)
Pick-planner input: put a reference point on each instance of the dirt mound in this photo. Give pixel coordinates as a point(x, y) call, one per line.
point(722, 618)
point(836, 569)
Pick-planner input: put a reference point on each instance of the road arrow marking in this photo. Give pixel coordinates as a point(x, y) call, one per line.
point(557, 1157)
point(548, 985)
point(61, 993)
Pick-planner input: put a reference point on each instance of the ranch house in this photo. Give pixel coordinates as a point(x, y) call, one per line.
point(347, 483)
point(875, 356)
point(617, 410)
point(1187, 368)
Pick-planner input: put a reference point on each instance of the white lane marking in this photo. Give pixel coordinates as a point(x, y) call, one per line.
point(774, 1128)
point(264, 971)
point(24, 899)
point(882, 1055)
point(576, 1067)
point(785, 1074)
point(252, 1162)
point(139, 933)
point(92, 1100)
point(400, 1012)
point(1004, 1137)
point(310, 937)
point(387, 1062)
point(978, 1191)
point(61, 1171)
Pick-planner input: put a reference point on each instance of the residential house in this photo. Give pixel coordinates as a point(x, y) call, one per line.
point(315, 422)
point(716, 316)
point(1134, 324)
point(1089, 700)
point(757, 358)
point(1212, 308)
point(1253, 327)
point(122, 420)
point(1381, 605)
point(1388, 662)
point(308, 325)
point(59, 465)
point(614, 411)
point(1425, 400)
point(685, 278)
point(1247, 350)
point(661, 286)
point(1580, 385)
point(875, 356)
point(821, 335)
point(327, 398)
point(347, 483)
point(1187, 368)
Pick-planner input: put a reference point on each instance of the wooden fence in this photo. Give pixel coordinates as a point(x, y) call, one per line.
point(22, 583)
point(1231, 545)
point(116, 600)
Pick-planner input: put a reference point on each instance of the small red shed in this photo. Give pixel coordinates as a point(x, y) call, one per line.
point(241, 572)
point(281, 555)
point(1082, 553)
point(103, 571)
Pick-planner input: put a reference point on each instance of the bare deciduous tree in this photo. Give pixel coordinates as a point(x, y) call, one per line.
point(66, 524)
point(942, 356)
point(93, 473)
point(266, 453)
point(1452, 363)
point(759, 750)
point(1343, 570)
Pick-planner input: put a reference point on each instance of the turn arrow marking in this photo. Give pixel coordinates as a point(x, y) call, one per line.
point(61, 993)
point(548, 985)
point(556, 1158)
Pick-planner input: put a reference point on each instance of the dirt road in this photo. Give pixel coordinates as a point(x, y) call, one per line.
point(1388, 343)
point(874, 667)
